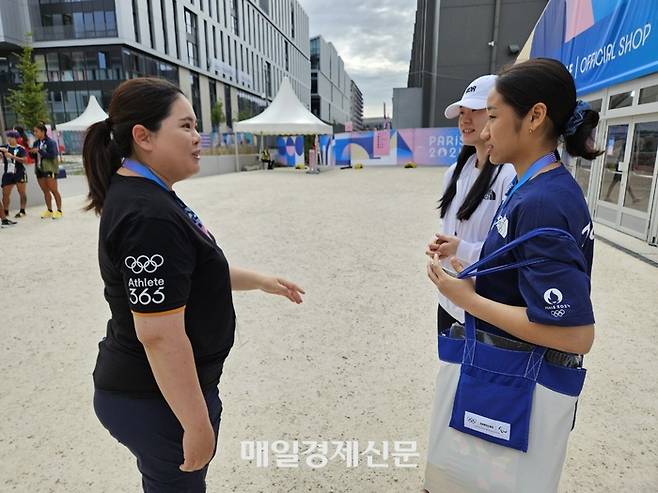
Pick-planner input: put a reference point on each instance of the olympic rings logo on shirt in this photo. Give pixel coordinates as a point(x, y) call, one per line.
point(558, 313)
point(144, 263)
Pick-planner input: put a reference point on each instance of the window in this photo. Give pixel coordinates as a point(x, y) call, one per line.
point(136, 21)
point(149, 11)
point(205, 37)
point(287, 60)
point(249, 20)
point(61, 20)
point(244, 31)
point(621, 100)
point(191, 37)
point(176, 36)
point(236, 20)
point(292, 20)
point(221, 39)
point(163, 12)
point(649, 94)
point(268, 79)
point(214, 42)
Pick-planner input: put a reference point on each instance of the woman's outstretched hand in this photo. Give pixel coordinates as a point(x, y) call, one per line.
point(281, 287)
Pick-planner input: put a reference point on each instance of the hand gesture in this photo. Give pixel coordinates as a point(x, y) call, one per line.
point(281, 287)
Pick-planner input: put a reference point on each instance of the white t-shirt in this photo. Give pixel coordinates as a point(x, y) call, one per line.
point(472, 232)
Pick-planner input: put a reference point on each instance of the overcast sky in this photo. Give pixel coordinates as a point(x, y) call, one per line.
point(373, 37)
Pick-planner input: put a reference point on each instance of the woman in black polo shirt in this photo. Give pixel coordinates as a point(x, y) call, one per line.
point(168, 286)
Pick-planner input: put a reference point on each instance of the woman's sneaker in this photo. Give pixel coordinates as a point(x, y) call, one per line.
point(19, 214)
point(46, 214)
point(7, 222)
point(57, 214)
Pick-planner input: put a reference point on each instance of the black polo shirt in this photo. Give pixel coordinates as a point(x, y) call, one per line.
point(153, 259)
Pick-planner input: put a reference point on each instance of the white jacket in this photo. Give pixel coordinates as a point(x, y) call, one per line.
point(472, 232)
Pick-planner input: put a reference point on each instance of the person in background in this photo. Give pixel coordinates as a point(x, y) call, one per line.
point(24, 141)
point(14, 157)
point(46, 169)
point(473, 189)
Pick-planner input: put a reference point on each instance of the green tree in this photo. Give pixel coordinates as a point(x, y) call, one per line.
point(217, 115)
point(29, 100)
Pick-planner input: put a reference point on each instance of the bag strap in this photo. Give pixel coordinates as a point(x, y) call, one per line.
point(473, 269)
point(536, 356)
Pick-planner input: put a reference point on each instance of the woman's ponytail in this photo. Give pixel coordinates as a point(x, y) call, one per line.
point(579, 141)
point(101, 158)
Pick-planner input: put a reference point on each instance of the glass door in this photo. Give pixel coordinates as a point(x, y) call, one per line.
point(614, 164)
point(642, 167)
point(628, 177)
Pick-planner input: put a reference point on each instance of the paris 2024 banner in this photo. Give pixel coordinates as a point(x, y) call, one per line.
point(422, 146)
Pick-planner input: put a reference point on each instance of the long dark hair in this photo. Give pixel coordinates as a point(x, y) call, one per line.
point(543, 80)
point(141, 101)
point(21, 132)
point(477, 192)
point(42, 126)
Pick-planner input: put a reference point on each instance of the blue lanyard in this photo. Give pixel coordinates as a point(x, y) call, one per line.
point(145, 172)
point(534, 168)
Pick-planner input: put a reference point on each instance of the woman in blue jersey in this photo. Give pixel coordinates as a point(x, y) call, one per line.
point(547, 304)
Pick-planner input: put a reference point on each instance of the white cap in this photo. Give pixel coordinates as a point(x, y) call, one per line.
point(475, 96)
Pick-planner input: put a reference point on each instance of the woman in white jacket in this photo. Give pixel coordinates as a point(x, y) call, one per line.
point(473, 189)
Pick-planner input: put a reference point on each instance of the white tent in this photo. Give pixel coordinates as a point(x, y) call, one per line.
point(285, 116)
point(92, 114)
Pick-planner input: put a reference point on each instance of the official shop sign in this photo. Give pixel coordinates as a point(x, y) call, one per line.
point(602, 43)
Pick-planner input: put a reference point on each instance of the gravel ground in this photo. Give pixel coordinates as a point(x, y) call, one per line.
point(356, 361)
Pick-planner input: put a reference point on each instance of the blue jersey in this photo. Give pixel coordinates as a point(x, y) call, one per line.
point(555, 292)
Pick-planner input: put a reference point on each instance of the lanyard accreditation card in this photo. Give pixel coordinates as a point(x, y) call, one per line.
point(145, 172)
point(500, 223)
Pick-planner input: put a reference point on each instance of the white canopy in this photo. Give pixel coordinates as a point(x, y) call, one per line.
point(285, 116)
point(92, 114)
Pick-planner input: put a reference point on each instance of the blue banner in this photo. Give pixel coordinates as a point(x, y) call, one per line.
point(601, 42)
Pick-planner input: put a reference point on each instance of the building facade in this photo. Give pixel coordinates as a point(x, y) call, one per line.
point(356, 107)
point(456, 41)
point(331, 87)
point(610, 50)
point(233, 51)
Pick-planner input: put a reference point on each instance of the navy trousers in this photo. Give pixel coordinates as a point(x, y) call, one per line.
point(151, 431)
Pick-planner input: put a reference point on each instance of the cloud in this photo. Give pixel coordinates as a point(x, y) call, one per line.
point(373, 37)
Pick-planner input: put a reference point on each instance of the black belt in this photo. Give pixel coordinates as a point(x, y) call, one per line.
point(560, 358)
